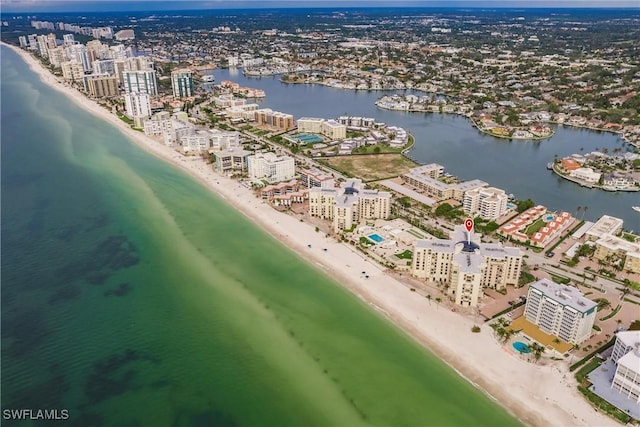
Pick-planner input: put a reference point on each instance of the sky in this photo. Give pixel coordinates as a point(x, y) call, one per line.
point(20, 6)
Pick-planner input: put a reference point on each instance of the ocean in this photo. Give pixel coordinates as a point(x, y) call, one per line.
point(132, 296)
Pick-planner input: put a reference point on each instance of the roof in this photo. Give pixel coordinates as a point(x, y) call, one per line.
point(628, 338)
point(631, 360)
point(469, 262)
point(437, 245)
point(605, 225)
point(565, 295)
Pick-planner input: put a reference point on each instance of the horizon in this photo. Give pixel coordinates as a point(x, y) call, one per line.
point(80, 6)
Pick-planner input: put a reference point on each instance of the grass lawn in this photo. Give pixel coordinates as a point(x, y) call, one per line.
point(371, 167)
point(597, 401)
point(405, 255)
point(381, 149)
point(535, 227)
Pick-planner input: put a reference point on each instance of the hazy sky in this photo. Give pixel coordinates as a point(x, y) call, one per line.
point(155, 5)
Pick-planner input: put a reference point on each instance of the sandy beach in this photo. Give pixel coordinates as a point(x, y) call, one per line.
point(537, 395)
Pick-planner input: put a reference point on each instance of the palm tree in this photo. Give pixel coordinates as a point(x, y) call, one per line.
point(429, 298)
point(537, 350)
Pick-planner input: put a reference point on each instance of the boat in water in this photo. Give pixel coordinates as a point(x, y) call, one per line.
point(636, 208)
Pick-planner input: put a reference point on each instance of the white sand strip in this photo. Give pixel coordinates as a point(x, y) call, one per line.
point(538, 395)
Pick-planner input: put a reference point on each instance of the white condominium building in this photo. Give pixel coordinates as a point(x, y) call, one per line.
point(487, 203)
point(316, 178)
point(310, 124)
point(161, 125)
point(617, 250)
point(223, 140)
point(560, 310)
point(333, 129)
point(605, 225)
point(467, 267)
point(626, 356)
point(182, 83)
point(426, 179)
point(72, 71)
point(349, 204)
point(271, 168)
point(197, 142)
point(329, 128)
point(143, 81)
point(137, 104)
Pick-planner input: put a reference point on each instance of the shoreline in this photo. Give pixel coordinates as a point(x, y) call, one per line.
point(535, 394)
point(592, 186)
point(473, 122)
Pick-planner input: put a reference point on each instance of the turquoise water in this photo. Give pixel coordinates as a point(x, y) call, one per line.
point(521, 347)
point(131, 297)
point(376, 238)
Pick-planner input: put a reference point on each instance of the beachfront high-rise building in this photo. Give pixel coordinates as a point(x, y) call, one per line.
point(78, 53)
point(101, 86)
point(182, 83)
point(560, 310)
point(104, 66)
point(141, 81)
point(349, 204)
point(68, 39)
point(487, 203)
point(626, 356)
point(57, 56)
point(72, 71)
point(466, 266)
point(138, 105)
point(23, 41)
point(270, 167)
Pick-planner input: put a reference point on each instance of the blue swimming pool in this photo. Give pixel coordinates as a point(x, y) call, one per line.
point(521, 347)
point(548, 218)
point(376, 238)
point(511, 205)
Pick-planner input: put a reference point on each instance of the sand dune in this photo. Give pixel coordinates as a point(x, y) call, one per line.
point(537, 395)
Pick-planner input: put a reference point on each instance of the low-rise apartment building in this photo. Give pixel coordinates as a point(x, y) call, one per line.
point(616, 250)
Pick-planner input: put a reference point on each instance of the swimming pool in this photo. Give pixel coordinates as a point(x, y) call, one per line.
point(521, 347)
point(548, 218)
point(511, 205)
point(376, 238)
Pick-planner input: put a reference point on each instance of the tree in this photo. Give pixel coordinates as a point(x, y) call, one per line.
point(429, 298)
point(523, 205)
point(537, 350)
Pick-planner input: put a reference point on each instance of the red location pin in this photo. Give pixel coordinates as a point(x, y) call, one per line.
point(468, 224)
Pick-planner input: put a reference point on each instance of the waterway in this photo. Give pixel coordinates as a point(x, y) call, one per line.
point(518, 167)
point(132, 296)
